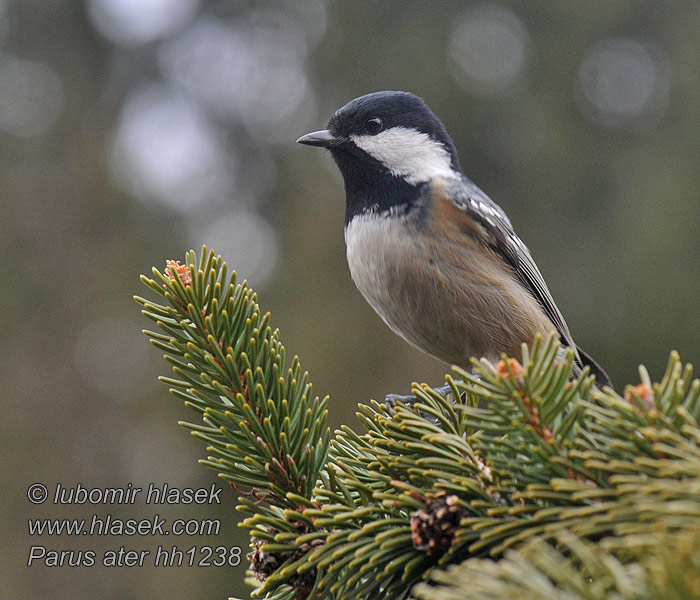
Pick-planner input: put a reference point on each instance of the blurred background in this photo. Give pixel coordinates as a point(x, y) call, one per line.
point(133, 130)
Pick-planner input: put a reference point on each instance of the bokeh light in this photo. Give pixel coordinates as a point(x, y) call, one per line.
point(489, 49)
point(139, 21)
point(253, 74)
point(245, 238)
point(622, 82)
point(166, 149)
point(31, 96)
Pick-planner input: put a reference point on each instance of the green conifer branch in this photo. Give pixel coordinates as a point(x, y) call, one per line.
point(265, 430)
point(520, 455)
point(576, 569)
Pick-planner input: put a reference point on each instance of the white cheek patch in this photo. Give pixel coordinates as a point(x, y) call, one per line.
point(408, 153)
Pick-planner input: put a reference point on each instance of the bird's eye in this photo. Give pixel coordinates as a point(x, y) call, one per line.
point(374, 125)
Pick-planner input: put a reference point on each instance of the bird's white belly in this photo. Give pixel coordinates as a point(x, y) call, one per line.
point(376, 249)
point(388, 265)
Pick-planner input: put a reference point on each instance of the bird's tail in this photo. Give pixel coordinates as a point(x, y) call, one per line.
point(601, 377)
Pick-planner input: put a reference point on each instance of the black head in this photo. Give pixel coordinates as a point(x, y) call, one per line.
point(384, 141)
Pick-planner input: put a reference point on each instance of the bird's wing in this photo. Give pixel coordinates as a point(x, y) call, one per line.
point(498, 233)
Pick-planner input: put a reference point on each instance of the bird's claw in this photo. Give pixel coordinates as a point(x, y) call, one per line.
point(391, 400)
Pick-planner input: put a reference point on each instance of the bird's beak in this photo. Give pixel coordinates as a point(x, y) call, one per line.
point(322, 138)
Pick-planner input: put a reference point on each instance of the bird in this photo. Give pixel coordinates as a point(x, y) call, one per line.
point(436, 258)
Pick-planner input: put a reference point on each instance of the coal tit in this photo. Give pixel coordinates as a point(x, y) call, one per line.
point(434, 256)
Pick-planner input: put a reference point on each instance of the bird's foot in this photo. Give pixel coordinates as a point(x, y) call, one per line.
point(391, 400)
